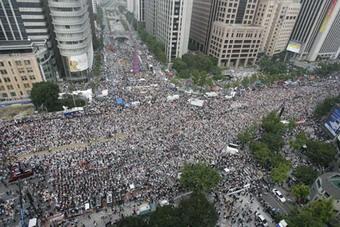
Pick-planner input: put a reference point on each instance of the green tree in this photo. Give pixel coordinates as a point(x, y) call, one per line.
point(279, 173)
point(305, 174)
point(166, 216)
point(132, 221)
point(45, 95)
point(197, 211)
point(247, 136)
point(299, 141)
point(300, 191)
point(261, 153)
point(199, 177)
point(274, 141)
point(272, 124)
point(179, 65)
point(317, 214)
point(325, 107)
point(320, 153)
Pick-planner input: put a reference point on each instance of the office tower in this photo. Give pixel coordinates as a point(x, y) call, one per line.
point(317, 31)
point(278, 18)
point(130, 5)
point(169, 21)
point(73, 33)
point(139, 10)
point(203, 15)
point(19, 70)
point(234, 38)
point(28, 20)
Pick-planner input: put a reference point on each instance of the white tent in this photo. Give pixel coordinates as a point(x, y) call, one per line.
point(132, 186)
point(196, 102)
point(32, 222)
point(171, 98)
point(211, 94)
point(87, 206)
point(226, 170)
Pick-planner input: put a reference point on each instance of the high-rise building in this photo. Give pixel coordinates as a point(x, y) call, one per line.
point(234, 38)
point(317, 31)
point(139, 10)
point(203, 15)
point(19, 70)
point(169, 21)
point(278, 17)
point(130, 5)
point(28, 20)
point(73, 34)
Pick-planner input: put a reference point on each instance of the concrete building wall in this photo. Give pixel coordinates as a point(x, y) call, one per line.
point(73, 33)
point(278, 17)
point(169, 21)
point(308, 24)
point(235, 45)
point(203, 15)
point(18, 72)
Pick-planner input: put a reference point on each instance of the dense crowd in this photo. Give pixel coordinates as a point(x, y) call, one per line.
point(137, 153)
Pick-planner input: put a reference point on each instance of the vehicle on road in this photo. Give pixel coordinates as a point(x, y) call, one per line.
point(279, 195)
point(263, 221)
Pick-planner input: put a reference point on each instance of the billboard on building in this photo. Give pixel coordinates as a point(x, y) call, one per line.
point(333, 122)
point(78, 63)
point(294, 47)
point(328, 16)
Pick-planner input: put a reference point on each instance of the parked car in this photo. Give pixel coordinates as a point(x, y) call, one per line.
point(262, 219)
point(279, 195)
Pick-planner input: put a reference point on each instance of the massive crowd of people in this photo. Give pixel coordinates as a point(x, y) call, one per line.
point(136, 153)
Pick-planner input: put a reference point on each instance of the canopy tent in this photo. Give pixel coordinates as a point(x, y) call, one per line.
point(211, 94)
point(120, 101)
point(196, 102)
point(171, 98)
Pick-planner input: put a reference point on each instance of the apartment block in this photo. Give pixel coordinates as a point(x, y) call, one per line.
point(278, 17)
point(169, 21)
point(317, 31)
point(19, 70)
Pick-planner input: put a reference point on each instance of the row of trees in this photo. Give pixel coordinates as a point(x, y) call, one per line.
point(319, 153)
point(193, 211)
point(318, 213)
point(202, 69)
point(266, 149)
point(325, 69)
point(156, 47)
point(44, 96)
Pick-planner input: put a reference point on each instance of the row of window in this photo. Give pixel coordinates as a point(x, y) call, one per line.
point(23, 78)
point(20, 70)
point(18, 63)
point(14, 94)
point(10, 86)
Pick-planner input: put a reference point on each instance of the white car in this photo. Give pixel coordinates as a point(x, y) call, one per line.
point(279, 195)
point(262, 219)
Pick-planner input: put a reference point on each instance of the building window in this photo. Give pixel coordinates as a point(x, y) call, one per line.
point(2, 88)
point(24, 78)
point(7, 79)
point(26, 85)
point(29, 70)
point(13, 94)
point(10, 87)
point(27, 62)
point(32, 77)
point(4, 95)
point(18, 63)
point(3, 71)
point(1, 64)
point(21, 70)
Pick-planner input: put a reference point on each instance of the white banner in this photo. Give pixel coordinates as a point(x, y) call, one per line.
point(78, 63)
